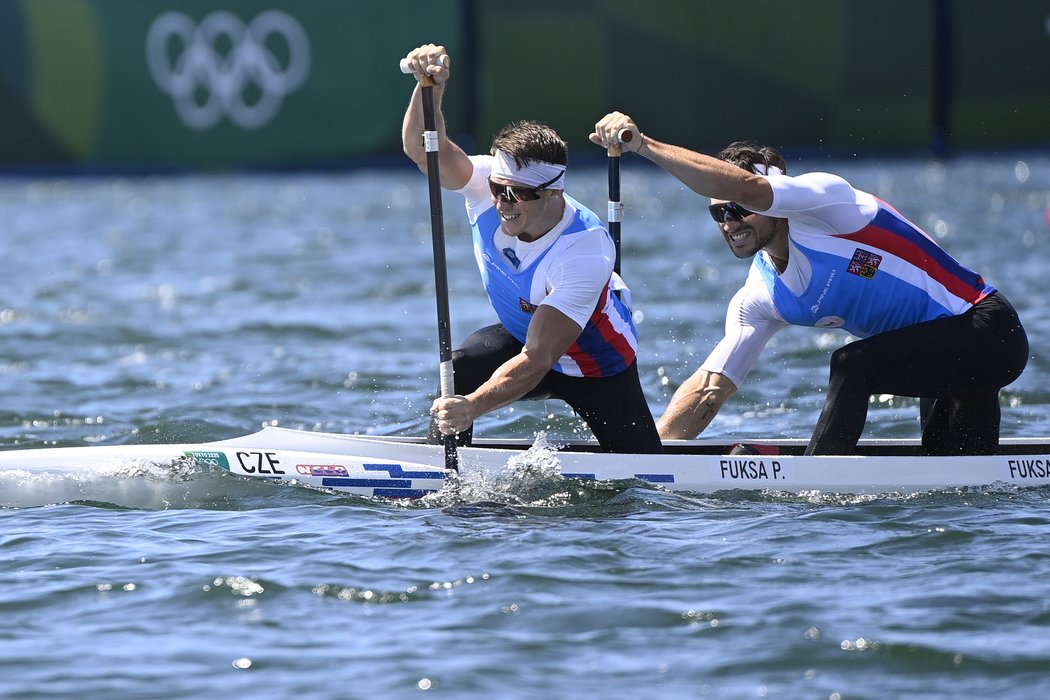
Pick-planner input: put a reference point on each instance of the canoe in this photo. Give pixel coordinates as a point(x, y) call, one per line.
point(397, 467)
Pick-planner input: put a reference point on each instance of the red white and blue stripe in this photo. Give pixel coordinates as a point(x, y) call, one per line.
point(888, 275)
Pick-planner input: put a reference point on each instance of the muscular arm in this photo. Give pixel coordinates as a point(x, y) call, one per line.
point(703, 174)
point(550, 334)
point(695, 405)
point(453, 163)
point(709, 176)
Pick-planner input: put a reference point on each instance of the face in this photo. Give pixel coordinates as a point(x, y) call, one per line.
point(746, 233)
point(532, 212)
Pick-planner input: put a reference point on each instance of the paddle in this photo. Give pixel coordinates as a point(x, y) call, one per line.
point(437, 229)
point(615, 205)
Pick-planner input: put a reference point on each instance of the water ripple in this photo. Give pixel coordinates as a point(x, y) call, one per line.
point(181, 309)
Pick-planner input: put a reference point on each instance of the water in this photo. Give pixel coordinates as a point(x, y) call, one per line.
point(193, 308)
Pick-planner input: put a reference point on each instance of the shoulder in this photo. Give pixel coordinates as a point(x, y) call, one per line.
point(753, 302)
point(476, 191)
point(586, 257)
point(814, 184)
point(823, 201)
point(482, 168)
point(593, 241)
point(583, 213)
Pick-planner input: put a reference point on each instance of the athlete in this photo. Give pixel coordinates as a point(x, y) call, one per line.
point(547, 265)
point(831, 256)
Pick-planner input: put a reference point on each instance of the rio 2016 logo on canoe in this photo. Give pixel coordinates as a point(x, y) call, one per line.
point(222, 67)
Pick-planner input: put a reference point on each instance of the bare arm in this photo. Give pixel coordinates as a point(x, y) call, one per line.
point(550, 334)
point(695, 405)
point(703, 174)
point(454, 165)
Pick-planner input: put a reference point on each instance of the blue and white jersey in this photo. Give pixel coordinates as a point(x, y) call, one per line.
point(570, 268)
point(854, 263)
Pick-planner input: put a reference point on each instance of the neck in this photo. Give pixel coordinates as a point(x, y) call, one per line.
point(778, 247)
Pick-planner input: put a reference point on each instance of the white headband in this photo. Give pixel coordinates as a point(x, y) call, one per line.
point(534, 174)
point(761, 169)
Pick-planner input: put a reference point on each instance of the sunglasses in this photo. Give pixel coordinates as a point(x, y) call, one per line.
point(516, 193)
point(728, 210)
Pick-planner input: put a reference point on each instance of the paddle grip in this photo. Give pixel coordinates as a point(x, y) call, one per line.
point(442, 60)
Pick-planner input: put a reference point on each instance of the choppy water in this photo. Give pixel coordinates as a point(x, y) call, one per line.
point(194, 308)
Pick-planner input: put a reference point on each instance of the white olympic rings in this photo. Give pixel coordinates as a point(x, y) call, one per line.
point(208, 68)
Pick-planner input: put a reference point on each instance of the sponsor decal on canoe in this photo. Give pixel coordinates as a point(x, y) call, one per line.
point(249, 462)
point(321, 470)
point(211, 458)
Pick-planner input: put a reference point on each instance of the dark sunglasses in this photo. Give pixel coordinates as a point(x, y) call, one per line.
point(515, 193)
point(728, 210)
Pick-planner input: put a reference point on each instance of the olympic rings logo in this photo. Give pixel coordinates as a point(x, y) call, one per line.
point(224, 68)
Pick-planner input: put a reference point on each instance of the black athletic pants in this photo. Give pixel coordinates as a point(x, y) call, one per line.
point(956, 366)
point(614, 408)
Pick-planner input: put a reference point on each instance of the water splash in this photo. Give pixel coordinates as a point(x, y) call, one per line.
point(532, 478)
point(139, 484)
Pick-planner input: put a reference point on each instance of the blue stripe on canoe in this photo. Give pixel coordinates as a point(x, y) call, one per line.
point(396, 470)
point(652, 478)
point(402, 493)
point(366, 483)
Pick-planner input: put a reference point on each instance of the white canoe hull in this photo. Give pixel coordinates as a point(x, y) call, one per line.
point(404, 468)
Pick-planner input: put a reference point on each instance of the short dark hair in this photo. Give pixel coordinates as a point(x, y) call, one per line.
point(748, 154)
point(529, 141)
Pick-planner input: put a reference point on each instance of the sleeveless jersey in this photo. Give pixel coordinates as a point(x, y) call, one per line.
point(608, 342)
point(885, 276)
point(854, 263)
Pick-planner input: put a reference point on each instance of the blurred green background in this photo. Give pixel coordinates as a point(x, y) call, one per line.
point(160, 84)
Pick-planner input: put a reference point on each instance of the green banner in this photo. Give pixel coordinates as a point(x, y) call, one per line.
point(801, 74)
point(202, 83)
point(248, 83)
